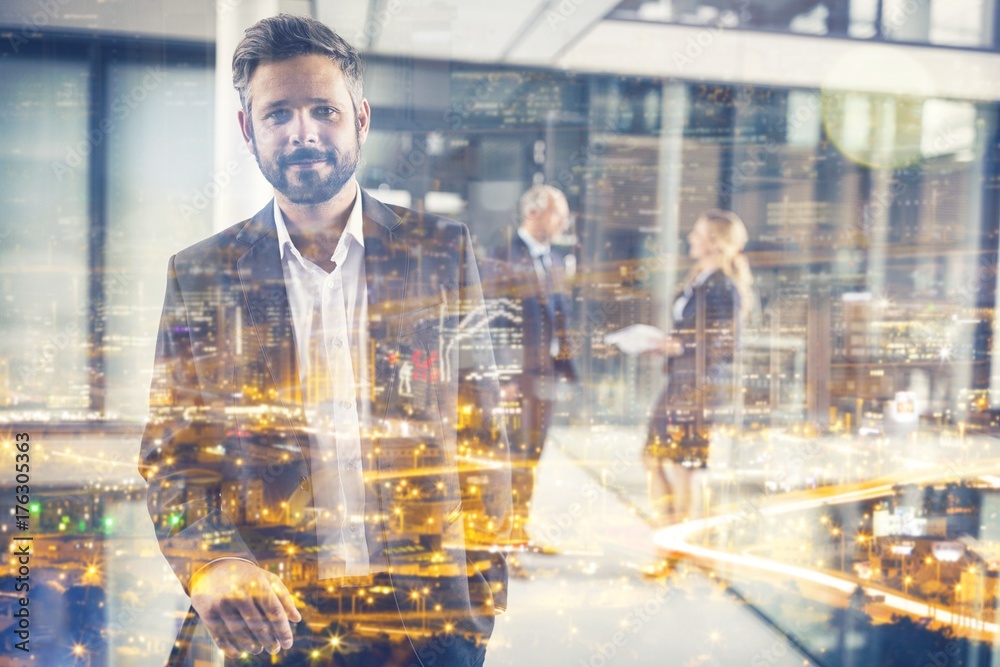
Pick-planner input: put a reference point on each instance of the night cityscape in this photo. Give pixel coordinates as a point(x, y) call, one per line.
point(848, 512)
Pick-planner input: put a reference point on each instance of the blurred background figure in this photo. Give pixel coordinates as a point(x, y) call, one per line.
point(701, 384)
point(532, 278)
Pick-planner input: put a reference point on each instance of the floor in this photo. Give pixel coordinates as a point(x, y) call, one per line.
point(589, 603)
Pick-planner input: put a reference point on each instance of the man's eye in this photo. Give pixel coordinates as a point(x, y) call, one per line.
point(326, 111)
point(279, 115)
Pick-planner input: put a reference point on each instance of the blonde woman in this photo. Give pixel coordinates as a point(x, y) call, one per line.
point(701, 387)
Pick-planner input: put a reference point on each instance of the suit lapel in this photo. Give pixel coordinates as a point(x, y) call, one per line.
point(386, 269)
point(263, 284)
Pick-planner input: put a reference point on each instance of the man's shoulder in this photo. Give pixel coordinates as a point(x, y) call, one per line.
point(214, 244)
point(229, 244)
point(513, 249)
point(416, 224)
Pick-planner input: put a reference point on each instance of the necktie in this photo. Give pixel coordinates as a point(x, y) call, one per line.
point(546, 261)
point(548, 286)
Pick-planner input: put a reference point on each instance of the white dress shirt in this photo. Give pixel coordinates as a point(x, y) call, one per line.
point(330, 320)
point(541, 253)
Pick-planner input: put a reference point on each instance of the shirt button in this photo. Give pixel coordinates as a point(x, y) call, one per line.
point(337, 342)
point(347, 405)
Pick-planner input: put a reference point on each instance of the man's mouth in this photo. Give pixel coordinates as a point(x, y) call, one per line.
point(305, 164)
point(305, 159)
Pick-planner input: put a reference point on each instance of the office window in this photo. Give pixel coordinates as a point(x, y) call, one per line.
point(160, 189)
point(45, 239)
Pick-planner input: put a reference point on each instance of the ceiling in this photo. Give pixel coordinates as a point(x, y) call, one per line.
point(576, 35)
point(522, 31)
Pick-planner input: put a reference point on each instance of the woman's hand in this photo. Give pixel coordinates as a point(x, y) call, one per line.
point(671, 347)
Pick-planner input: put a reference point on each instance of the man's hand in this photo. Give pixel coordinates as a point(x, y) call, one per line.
point(244, 607)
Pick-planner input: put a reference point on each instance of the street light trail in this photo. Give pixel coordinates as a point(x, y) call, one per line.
point(679, 539)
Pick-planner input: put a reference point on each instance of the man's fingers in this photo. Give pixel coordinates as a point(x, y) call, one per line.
point(242, 637)
point(256, 631)
point(221, 635)
point(246, 609)
point(275, 616)
point(286, 599)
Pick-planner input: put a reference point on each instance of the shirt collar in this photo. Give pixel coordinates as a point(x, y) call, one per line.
point(353, 229)
point(535, 247)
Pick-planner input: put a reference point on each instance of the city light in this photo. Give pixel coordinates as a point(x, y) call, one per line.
point(800, 198)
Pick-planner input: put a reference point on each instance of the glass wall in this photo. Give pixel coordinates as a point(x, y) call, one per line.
point(849, 495)
point(966, 23)
point(45, 247)
point(160, 187)
point(857, 463)
point(106, 154)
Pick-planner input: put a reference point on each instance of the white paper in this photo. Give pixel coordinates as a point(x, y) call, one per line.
point(637, 338)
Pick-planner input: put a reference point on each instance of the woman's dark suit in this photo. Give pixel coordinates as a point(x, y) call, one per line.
point(701, 387)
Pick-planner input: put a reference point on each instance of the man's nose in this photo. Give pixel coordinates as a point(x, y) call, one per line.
point(303, 130)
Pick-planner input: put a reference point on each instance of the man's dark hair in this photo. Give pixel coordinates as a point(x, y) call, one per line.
point(285, 36)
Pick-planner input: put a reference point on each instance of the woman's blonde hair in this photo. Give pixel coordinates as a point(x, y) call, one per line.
point(729, 233)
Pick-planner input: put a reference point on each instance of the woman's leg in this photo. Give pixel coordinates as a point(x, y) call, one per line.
point(681, 479)
point(660, 492)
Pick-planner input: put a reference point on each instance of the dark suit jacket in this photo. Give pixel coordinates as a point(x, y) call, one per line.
point(226, 422)
point(709, 330)
point(542, 320)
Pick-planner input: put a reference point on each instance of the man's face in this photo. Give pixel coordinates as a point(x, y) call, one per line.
point(303, 129)
point(553, 220)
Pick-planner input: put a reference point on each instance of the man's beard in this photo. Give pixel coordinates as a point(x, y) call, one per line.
point(309, 186)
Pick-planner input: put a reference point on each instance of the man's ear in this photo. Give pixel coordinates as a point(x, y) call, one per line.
point(246, 127)
point(364, 120)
